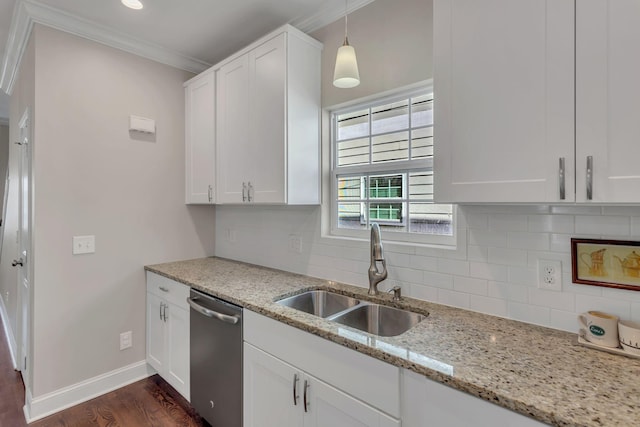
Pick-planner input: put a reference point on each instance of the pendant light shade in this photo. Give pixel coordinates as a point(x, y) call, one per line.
point(345, 74)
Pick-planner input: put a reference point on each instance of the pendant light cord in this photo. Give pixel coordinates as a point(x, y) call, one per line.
point(346, 22)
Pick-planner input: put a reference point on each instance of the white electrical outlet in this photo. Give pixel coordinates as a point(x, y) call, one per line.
point(126, 340)
point(295, 243)
point(550, 275)
point(231, 235)
point(84, 245)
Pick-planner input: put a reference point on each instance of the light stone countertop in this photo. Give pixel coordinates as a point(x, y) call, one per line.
point(539, 372)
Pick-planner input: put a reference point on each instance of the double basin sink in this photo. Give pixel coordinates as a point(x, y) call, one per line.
point(369, 317)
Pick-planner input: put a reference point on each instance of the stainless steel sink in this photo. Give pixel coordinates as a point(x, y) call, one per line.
point(379, 319)
point(319, 303)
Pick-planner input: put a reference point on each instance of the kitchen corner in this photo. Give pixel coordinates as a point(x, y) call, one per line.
point(539, 372)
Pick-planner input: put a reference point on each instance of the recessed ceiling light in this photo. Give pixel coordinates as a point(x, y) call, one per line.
point(133, 4)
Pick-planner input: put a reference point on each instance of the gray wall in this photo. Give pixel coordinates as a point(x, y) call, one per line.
point(91, 177)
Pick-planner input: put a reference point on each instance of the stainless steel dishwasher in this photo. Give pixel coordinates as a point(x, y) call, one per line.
point(216, 359)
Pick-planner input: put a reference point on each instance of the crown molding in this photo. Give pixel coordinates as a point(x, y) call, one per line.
point(28, 12)
point(4, 121)
point(330, 13)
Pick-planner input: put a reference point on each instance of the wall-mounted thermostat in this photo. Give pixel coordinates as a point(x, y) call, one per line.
point(142, 124)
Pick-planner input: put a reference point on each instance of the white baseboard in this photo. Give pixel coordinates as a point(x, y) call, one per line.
point(50, 403)
point(8, 332)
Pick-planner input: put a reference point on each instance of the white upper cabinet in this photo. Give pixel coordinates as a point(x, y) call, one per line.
point(200, 139)
point(504, 100)
point(268, 129)
point(607, 94)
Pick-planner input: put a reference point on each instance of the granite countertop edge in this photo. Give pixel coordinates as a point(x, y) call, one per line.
point(308, 323)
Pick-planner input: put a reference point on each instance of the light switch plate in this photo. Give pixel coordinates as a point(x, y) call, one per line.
point(84, 245)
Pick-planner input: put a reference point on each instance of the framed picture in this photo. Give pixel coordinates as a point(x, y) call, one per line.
point(609, 263)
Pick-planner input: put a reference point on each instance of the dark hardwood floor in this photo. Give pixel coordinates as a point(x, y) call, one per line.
point(149, 402)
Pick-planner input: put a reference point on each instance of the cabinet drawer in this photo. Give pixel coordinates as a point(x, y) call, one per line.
point(363, 377)
point(170, 290)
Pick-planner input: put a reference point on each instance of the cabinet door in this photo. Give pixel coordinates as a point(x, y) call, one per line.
point(269, 387)
point(155, 333)
point(504, 100)
point(232, 129)
point(329, 407)
point(607, 93)
point(267, 86)
point(177, 338)
point(200, 139)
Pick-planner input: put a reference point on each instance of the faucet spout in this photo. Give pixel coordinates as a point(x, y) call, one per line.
point(376, 275)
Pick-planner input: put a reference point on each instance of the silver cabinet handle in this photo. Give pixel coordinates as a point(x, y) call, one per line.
point(589, 177)
point(164, 312)
point(306, 404)
point(561, 178)
point(295, 390)
point(210, 193)
point(244, 192)
point(19, 262)
point(249, 191)
point(161, 304)
point(163, 289)
point(210, 313)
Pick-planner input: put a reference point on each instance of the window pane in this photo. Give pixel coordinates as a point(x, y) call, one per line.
point(350, 215)
point(422, 143)
point(385, 212)
point(390, 117)
point(385, 187)
point(353, 152)
point(430, 218)
point(353, 125)
point(422, 111)
point(421, 186)
point(391, 147)
point(350, 188)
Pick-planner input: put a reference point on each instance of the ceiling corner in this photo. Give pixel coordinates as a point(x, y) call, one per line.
point(331, 13)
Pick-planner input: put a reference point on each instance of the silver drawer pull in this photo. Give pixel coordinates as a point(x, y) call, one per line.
point(295, 390)
point(589, 177)
point(244, 192)
point(163, 289)
point(306, 404)
point(210, 313)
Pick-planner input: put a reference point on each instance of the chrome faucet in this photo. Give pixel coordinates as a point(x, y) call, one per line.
point(376, 276)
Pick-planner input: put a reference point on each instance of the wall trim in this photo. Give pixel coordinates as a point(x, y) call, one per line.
point(50, 403)
point(331, 13)
point(4, 121)
point(8, 332)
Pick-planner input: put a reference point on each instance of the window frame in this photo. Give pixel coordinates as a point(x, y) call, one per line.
point(407, 166)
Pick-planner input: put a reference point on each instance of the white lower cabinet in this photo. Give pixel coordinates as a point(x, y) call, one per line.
point(428, 403)
point(277, 394)
point(168, 331)
point(293, 378)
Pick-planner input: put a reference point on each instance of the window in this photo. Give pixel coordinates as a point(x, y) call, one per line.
point(382, 170)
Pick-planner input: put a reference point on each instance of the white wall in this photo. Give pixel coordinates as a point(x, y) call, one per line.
point(4, 159)
point(494, 269)
point(91, 177)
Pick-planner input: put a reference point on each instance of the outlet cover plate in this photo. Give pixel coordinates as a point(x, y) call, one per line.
point(84, 245)
point(550, 275)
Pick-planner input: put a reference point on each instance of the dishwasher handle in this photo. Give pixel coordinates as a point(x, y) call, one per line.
point(210, 313)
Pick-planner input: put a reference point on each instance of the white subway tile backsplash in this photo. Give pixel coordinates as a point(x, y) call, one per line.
point(470, 285)
point(452, 266)
point(508, 291)
point(551, 223)
point(487, 305)
point(603, 225)
point(492, 270)
point(508, 222)
point(531, 241)
point(508, 256)
point(552, 299)
point(452, 298)
point(497, 273)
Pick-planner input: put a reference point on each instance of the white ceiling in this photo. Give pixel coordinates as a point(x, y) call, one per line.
point(205, 30)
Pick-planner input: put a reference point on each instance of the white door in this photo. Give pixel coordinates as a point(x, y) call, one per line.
point(200, 139)
point(232, 130)
point(504, 100)
point(24, 246)
point(267, 88)
point(607, 93)
point(329, 407)
point(272, 391)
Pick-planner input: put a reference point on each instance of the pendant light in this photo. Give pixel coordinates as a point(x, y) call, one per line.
point(345, 74)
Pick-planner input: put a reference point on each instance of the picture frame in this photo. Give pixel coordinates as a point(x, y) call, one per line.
point(608, 263)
